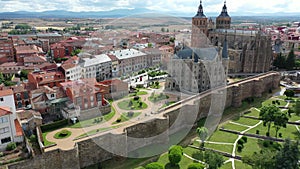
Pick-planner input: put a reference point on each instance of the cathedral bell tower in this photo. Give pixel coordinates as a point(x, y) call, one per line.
point(223, 21)
point(199, 28)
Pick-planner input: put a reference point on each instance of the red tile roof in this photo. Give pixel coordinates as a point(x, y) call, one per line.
point(4, 111)
point(19, 131)
point(6, 92)
point(34, 59)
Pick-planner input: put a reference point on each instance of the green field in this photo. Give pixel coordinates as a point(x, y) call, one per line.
point(234, 127)
point(125, 105)
point(94, 121)
point(220, 136)
point(246, 121)
point(125, 117)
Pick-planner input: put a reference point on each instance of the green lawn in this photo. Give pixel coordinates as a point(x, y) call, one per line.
point(94, 121)
point(125, 117)
point(227, 166)
point(221, 136)
point(250, 147)
point(294, 118)
point(246, 121)
point(241, 165)
point(63, 134)
point(269, 101)
point(140, 93)
point(46, 142)
point(96, 131)
point(168, 104)
point(135, 105)
point(158, 97)
point(254, 112)
point(163, 159)
point(289, 132)
point(224, 148)
point(234, 127)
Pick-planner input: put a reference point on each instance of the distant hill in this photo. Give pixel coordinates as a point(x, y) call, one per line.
point(69, 14)
point(122, 13)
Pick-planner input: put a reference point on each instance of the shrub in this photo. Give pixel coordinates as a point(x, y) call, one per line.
point(32, 138)
point(280, 135)
point(195, 166)
point(141, 104)
point(267, 134)
point(118, 120)
point(240, 148)
point(130, 103)
point(273, 102)
point(240, 142)
point(130, 114)
point(11, 146)
point(245, 139)
point(54, 125)
point(266, 143)
point(136, 98)
point(64, 133)
point(1, 154)
point(278, 102)
point(175, 154)
point(154, 166)
point(257, 132)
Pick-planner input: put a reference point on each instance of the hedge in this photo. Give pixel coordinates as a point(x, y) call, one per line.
point(54, 125)
point(175, 154)
point(154, 165)
point(195, 166)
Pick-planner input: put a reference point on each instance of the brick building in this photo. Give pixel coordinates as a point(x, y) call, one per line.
point(46, 78)
point(6, 49)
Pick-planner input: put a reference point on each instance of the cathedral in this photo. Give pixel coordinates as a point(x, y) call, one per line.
point(215, 51)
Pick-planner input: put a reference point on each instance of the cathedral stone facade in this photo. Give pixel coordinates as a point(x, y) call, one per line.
point(215, 51)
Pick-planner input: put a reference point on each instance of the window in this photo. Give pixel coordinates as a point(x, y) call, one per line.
point(3, 120)
point(20, 105)
point(4, 130)
point(1, 99)
point(52, 95)
point(5, 140)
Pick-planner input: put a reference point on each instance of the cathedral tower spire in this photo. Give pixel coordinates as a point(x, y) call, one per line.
point(223, 20)
point(199, 28)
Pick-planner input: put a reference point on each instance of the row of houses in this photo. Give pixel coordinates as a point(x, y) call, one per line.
point(106, 66)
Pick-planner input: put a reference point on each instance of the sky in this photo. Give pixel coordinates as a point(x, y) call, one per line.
point(174, 6)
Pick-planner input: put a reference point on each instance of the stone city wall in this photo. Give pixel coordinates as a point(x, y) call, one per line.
point(88, 152)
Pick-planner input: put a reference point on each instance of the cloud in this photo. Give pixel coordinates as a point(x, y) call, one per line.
point(175, 6)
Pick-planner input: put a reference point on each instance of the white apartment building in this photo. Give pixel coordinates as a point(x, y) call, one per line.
point(130, 60)
point(99, 67)
point(10, 128)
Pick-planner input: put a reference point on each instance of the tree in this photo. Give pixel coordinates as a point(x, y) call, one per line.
point(154, 165)
point(262, 160)
point(203, 134)
point(290, 60)
point(163, 29)
point(214, 160)
point(195, 166)
point(175, 154)
point(279, 61)
point(75, 52)
point(24, 74)
point(267, 115)
point(297, 107)
point(289, 93)
point(280, 120)
point(288, 156)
